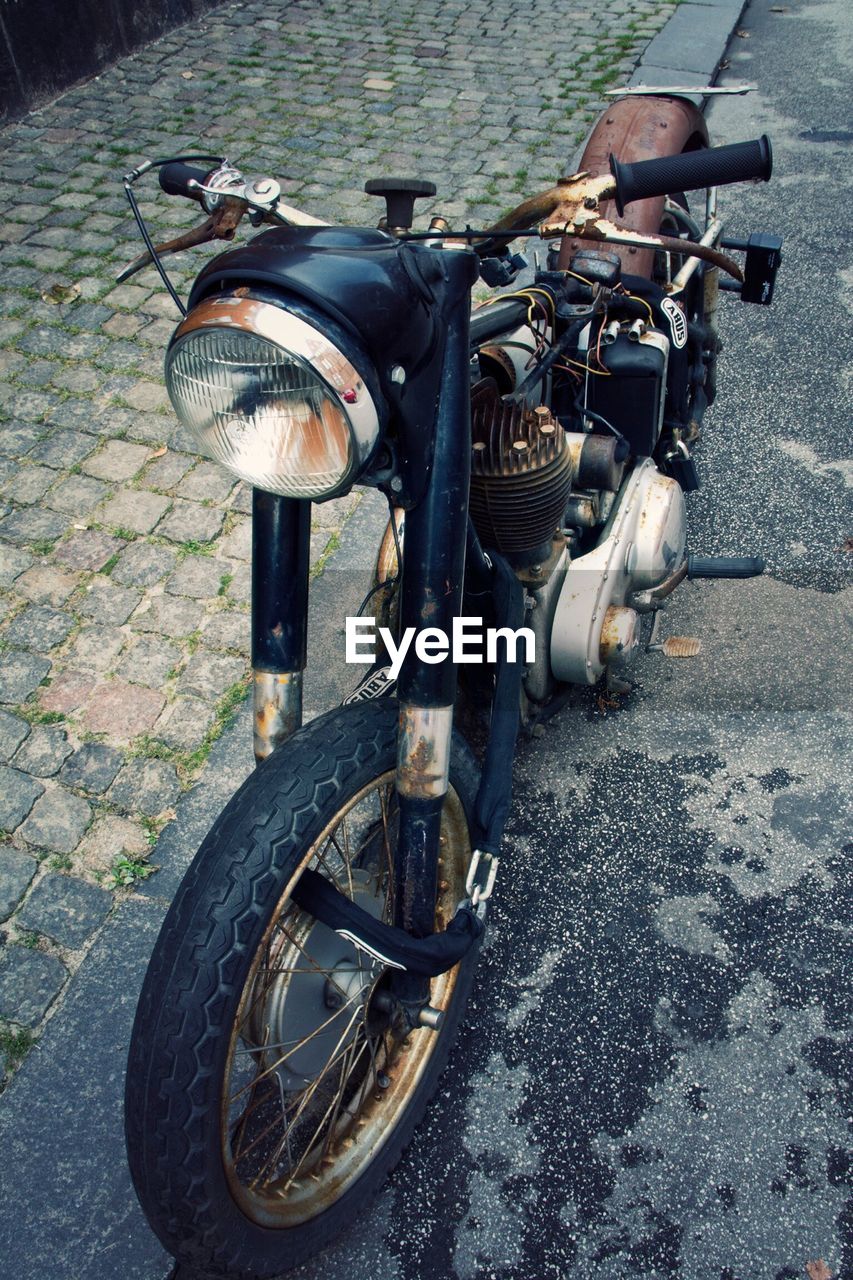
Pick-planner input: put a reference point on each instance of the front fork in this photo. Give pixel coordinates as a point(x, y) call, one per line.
point(431, 596)
point(281, 537)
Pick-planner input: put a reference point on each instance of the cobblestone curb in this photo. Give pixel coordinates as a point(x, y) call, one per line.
point(124, 560)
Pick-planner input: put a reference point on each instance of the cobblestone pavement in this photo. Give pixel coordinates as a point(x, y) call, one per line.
point(123, 558)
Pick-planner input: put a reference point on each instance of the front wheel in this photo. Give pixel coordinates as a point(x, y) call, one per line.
point(268, 1096)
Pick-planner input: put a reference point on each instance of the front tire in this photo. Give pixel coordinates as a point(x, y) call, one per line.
point(266, 1097)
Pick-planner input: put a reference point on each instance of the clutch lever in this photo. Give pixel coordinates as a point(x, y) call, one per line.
point(226, 196)
point(220, 225)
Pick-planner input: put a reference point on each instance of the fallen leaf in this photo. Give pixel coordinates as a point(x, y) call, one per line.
point(818, 1270)
point(158, 453)
point(743, 33)
point(186, 75)
point(59, 293)
point(606, 703)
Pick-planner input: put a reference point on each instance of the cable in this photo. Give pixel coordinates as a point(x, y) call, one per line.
point(388, 582)
point(149, 245)
point(526, 295)
point(129, 179)
point(585, 368)
point(550, 359)
point(596, 417)
point(635, 297)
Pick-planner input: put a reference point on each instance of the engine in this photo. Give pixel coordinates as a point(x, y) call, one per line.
point(585, 517)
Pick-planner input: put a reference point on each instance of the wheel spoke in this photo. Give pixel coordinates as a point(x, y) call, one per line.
point(310, 1089)
point(298, 1045)
point(300, 1109)
point(311, 1145)
point(279, 1119)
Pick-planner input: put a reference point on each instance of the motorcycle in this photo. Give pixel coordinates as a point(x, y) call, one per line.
point(314, 966)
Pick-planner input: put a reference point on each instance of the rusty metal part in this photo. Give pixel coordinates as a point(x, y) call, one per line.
point(681, 647)
point(423, 751)
point(602, 229)
point(567, 194)
point(542, 594)
point(221, 225)
point(535, 575)
point(637, 549)
point(619, 636)
point(582, 511)
point(650, 599)
point(521, 473)
point(598, 466)
point(387, 564)
point(638, 128)
point(496, 362)
point(574, 209)
point(384, 604)
point(277, 709)
point(691, 264)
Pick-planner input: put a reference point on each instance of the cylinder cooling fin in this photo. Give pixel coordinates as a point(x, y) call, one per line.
point(522, 472)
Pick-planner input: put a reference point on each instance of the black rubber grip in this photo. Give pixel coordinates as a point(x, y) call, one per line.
point(175, 177)
point(724, 566)
point(692, 170)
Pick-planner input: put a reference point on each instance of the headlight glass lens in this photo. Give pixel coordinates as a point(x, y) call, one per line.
point(288, 413)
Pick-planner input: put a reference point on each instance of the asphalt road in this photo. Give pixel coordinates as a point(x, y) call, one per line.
point(654, 1079)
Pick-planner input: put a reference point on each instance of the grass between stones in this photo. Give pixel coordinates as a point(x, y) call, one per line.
point(15, 1044)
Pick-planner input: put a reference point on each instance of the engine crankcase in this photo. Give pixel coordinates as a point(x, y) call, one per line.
point(641, 544)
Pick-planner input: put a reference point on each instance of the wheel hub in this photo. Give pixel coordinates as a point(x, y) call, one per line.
point(311, 1009)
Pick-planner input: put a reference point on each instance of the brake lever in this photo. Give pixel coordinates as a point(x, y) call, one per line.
point(220, 225)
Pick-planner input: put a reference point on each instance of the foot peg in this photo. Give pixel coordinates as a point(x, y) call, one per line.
point(724, 566)
point(678, 647)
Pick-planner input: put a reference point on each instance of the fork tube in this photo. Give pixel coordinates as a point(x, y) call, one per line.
point(281, 536)
point(433, 571)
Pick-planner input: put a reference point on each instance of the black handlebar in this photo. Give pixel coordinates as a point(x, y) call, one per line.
point(175, 177)
point(692, 170)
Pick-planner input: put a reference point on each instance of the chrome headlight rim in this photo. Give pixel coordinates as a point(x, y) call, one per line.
point(325, 352)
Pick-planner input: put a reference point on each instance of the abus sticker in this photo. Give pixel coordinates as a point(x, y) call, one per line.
point(677, 321)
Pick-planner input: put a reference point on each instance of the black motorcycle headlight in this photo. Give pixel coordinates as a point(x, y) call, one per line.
point(271, 397)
